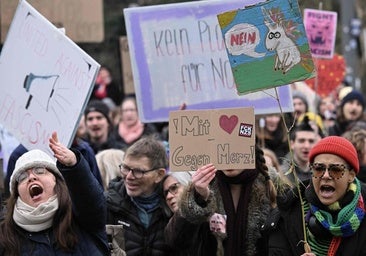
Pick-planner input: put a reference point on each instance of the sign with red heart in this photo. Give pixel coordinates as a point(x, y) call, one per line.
point(224, 137)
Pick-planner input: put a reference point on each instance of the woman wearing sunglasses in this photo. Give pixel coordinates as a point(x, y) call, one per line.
point(333, 209)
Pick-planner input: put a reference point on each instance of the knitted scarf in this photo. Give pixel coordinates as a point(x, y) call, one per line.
point(236, 220)
point(146, 205)
point(349, 213)
point(35, 219)
point(130, 133)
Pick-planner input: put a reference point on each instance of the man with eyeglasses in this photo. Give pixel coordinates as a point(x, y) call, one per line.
point(134, 200)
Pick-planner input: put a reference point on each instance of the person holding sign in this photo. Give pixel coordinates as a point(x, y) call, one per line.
point(184, 237)
point(230, 206)
point(331, 213)
point(54, 208)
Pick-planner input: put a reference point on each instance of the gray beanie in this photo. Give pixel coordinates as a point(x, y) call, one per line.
point(29, 160)
point(299, 95)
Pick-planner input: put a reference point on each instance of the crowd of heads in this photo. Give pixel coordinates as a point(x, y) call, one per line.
point(324, 140)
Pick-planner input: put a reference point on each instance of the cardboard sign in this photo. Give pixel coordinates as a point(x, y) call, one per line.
point(46, 80)
point(266, 45)
point(224, 137)
point(83, 24)
point(321, 27)
point(178, 56)
point(128, 87)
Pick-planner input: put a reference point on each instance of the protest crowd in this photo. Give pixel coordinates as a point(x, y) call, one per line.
point(112, 192)
point(146, 209)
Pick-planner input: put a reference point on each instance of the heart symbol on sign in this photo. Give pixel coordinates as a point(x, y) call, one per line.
point(228, 123)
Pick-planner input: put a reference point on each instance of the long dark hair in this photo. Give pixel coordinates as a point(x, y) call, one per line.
point(63, 225)
point(262, 167)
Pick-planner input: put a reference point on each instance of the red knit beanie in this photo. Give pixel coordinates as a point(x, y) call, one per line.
point(338, 146)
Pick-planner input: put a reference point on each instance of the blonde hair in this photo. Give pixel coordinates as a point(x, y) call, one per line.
point(108, 162)
point(312, 117)
point(275, 163)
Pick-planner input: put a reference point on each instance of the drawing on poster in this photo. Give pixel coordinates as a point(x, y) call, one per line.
point(228, 123)
point(278, 39)
point(321, 29)
point(36, 85)
point(320, 32)
point(266, 45)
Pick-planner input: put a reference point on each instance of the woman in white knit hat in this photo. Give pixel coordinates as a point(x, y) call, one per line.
point(54, 208)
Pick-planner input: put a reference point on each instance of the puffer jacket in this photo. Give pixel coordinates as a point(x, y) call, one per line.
point(138, 239)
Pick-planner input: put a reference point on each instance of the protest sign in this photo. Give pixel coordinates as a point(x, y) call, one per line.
point(321, 27)
point(224, 137)
point(46, 80)
point(178, 56)
point(330, 74)
point(128, 87)
point(84, 24)
point(267, 45)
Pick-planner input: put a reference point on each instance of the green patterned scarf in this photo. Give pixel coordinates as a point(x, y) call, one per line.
point(349, 216)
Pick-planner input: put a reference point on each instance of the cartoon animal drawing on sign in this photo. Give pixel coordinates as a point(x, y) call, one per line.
point(277, 39)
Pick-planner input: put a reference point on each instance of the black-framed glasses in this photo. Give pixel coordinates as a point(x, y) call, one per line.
point(173, 189)
point(136, 172)
point(24, 175)
point(336, 171)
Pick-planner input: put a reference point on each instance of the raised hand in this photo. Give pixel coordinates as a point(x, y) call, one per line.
point(62, 153)
point(202, 178)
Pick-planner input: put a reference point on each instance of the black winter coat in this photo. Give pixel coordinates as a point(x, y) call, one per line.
point(139, 240)
point(190, 239)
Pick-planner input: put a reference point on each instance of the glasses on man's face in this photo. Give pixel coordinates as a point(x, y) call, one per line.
point(173, 189)
point(136, 172)
point(335, 171)
point(24, 175)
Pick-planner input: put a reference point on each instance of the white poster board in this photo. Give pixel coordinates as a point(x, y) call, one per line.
point(178, 56)
point(46, 80)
